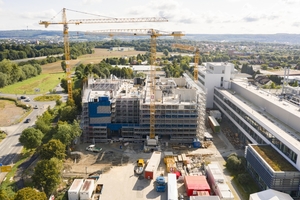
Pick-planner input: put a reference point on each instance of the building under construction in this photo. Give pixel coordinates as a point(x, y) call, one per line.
point(117, 108)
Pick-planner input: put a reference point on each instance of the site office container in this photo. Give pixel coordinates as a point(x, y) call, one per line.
point(73, 192)
point(151, 168)
point(87, 189)
point(193, 184)
point(214, 125)
point(172, 187)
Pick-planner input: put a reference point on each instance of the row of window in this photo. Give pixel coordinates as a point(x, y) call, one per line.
point(238, 114)
point(172, 107)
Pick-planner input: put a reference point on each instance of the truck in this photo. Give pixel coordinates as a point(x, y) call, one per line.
point(93, 148)
point(160, 184)
point(140, 165)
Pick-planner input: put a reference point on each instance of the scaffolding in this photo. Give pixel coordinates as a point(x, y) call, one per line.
point(201, 106)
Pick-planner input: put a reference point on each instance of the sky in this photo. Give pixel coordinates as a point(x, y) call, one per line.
point(189, 16)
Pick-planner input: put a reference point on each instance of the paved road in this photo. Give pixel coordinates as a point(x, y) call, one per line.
point(10, 147)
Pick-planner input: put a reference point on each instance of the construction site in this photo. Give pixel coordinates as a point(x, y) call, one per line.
point(114, 166)
point(115, 109)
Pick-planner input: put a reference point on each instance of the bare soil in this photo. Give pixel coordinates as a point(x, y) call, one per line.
point(9, 113)
point(85, 162)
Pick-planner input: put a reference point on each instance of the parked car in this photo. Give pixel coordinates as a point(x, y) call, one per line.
point(23, 97)
point(35, 107)
point(27, 120)
point(27, 100)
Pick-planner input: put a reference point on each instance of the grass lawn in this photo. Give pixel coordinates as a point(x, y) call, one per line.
point(52, 72)
point(44, 82)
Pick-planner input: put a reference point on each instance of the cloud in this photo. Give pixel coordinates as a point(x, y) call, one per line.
point(169, 9)
point(254, 17)
point(290, 1)
point(165, 4)
point(296, 24)
point(41, 15)
point(89, 2)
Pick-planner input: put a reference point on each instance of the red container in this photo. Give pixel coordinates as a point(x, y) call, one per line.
point(194, 184)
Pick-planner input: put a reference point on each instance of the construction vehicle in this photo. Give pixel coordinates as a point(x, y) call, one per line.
point(152, 140)
point(196, 58)
point(66, 23)
point(140, 166)
point(93, 148)
point(160, 184)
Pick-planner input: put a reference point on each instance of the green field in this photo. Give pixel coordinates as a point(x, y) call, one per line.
point(43, 82)
point(52, 72)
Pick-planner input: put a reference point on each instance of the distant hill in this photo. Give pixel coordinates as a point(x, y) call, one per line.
point(265, 38)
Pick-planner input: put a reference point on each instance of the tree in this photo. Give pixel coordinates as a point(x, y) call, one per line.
point(64, 84)
point(273, 85)
point(295, 84)
point(54, 148)
point(66, 133)
point(30, 194)
point(235, 163)
point(68, 113)
point(31, 138)
point(244, 178)
point(3, 194)
point(166, 52)
point(264, 66)
point(47, 175)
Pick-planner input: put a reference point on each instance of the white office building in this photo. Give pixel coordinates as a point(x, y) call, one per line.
point(217, 74)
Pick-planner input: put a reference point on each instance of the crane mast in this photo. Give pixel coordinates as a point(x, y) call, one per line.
point(65, 24)
point(67, 53)
point(196, 57)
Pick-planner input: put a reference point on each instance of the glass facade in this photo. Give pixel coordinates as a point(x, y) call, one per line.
point(250, 125)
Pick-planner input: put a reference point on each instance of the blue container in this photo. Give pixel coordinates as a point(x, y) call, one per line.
point(196, 143)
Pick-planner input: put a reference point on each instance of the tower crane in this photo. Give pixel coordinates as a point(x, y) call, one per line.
point(154, 34)
point(65, 24)
point(197, 56)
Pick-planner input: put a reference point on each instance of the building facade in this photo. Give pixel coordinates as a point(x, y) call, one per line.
point(217, 74)
point(261, 118)
point(114, 108)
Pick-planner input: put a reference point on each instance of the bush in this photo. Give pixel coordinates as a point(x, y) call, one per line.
point(244, 178)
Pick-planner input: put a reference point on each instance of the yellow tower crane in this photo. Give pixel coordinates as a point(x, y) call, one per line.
point(154, 34)
point(197, 56)
point(66, 22)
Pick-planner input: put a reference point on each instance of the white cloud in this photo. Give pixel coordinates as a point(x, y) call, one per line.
point(290, 1)
point(89, 2)
point(41, 15)
point(296, 24)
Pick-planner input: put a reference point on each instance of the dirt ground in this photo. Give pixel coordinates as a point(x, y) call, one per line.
point(83, 162)
point(9, 113)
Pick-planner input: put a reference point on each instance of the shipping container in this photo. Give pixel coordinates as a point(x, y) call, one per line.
point(172, 187)
point(73, 192)
point(151, 168)
point(208, 136)
point(217, 182)
point(204, 198)
point(193, 184)
point(214, 125)
point(87, 189)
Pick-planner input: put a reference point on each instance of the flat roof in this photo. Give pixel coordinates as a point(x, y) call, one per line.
point(76, 185)
point(275, 160)
point(88, 183)
point(279, 130)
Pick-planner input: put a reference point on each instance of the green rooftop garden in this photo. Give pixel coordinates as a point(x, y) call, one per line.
point(273, 158)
